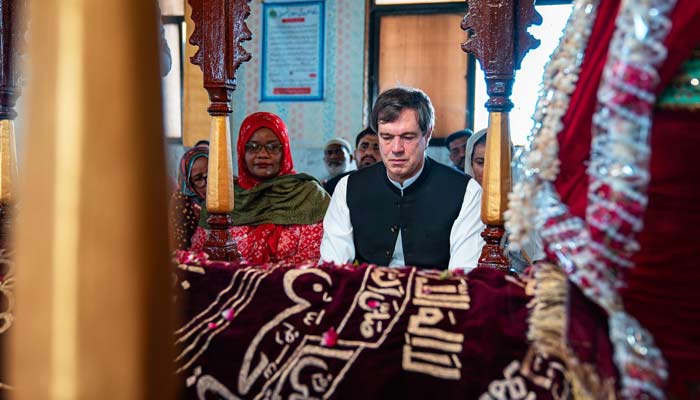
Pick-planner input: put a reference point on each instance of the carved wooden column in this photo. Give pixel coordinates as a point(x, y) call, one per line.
point(94, 305)
point(498, 38)
point(219, 30)
point(12, 31)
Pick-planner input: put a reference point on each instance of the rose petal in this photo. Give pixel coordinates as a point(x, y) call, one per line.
point(228, 314)
point(329, 338)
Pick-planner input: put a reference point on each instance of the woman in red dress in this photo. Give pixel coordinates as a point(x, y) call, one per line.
point(278, 214)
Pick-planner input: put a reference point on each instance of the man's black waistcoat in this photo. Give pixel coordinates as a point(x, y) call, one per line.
point(424, 214)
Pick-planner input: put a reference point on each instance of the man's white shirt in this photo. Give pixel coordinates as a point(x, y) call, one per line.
point(465, 236)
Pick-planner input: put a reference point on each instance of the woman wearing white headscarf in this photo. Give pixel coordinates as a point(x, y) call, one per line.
point(474, 167)
point(476, 148)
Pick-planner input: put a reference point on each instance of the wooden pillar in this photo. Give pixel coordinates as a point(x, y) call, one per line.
point(93, 283)
point(12, 32)
point(498, 38)
point(219, 30)
point(11, 41)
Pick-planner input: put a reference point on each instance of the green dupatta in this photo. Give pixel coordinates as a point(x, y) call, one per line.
point(295, 199)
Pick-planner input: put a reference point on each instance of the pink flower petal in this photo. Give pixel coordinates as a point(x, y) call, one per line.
point(329, 338)
point(228, 314)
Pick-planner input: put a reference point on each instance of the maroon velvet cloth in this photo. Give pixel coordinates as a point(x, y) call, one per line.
point(662, 290)
point(464, 353)
point(588, 334)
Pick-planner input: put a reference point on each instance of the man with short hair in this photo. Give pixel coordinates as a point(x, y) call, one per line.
point(366, 154)
point(366, 148)
point(337, 156)
point(456, 143)
point(408, 209)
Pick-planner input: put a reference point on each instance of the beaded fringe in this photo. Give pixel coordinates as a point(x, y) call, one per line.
point(547, 333)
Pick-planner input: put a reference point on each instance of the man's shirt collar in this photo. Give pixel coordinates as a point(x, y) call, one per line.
point(408, 182)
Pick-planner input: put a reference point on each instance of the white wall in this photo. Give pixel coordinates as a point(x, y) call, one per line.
point(311, 124)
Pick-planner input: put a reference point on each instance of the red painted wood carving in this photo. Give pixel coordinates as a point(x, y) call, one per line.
point(220, 28)
point(11, 42)
point(12, 32)
point(220, 246)
point(498, 38)
point(491, 254)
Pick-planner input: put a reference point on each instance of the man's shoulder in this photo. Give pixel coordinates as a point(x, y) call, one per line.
point(333, 182)
point(456, 168)
point(371, 172)
point(340, 176)
point(365, 184)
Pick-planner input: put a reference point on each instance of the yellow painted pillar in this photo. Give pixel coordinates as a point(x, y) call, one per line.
point(8, 160)
point(93, 314)
point(220, 168)
point(497, 175)
point(495, 189)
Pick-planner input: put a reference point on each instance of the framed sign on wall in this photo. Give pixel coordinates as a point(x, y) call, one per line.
point(292, 51)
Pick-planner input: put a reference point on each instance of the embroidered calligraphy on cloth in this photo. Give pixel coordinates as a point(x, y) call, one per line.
point(282, 331)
